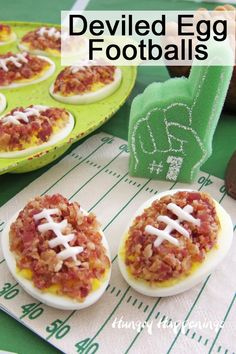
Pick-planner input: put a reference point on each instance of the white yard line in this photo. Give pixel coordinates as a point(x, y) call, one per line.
point(80, 5)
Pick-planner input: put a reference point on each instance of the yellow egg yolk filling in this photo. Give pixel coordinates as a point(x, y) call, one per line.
point(35, 141)
point(54, 289)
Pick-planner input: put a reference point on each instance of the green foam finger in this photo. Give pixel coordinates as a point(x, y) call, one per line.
point(172, 123)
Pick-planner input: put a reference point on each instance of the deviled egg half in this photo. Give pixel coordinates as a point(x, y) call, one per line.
point(7, 35)
point(85, 84)
point(42, 41)
point(25, 131)
point(3, 102)
point(58, 253)
point(22, 69)
point(175, 240)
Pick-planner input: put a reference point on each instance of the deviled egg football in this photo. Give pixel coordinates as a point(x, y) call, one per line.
point(42, 41)
point(7, 35)
point(57, 252)
point(25, 131)
point(175, 240)
point(21, 69)
point(85, 84)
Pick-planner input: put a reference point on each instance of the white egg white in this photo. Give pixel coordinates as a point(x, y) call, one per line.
point(26, 48)
point(3, 102)
point(26, 82)
point(92, 96)
point(47, 298)
point(213, 257)
point(12, 39)
point(55, 138)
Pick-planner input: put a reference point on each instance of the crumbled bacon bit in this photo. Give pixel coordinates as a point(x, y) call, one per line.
point(36, 41)
point(165, 262)
point(33, 252)
point(28, 70)
point(15, 137)
point(80, 82)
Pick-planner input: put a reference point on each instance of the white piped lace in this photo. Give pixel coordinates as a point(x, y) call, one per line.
point(18, 116)
point(16, 59)
point(182, 214)
point(52, 32)
point(83, 65)
point(60, 239)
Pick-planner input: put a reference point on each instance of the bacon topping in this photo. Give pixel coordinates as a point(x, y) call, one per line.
point(43, 38)
point(21, 66)
point(32, 250)
point(40, 125)
point(167, 261)
point(72, 81)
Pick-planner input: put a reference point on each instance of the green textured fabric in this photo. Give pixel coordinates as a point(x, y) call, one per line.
point(13, 336)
